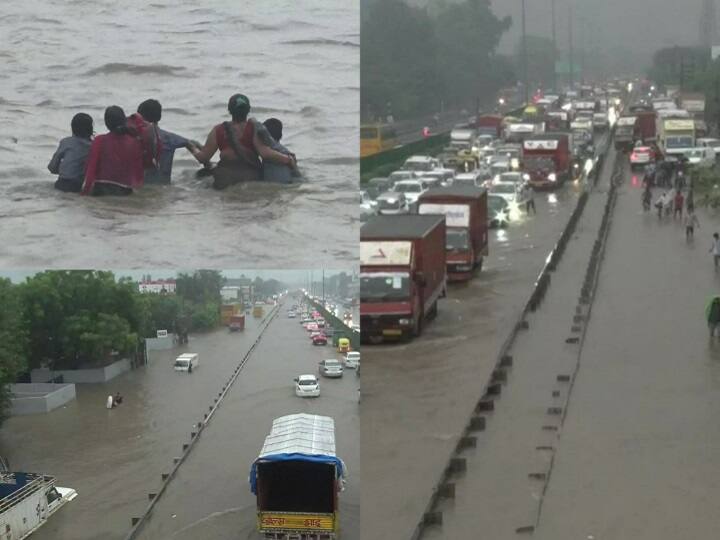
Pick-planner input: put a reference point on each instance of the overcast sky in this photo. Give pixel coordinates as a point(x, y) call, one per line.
point(642, 25)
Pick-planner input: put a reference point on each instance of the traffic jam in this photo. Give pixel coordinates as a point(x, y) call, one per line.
point(429, 223)
point(322, 334)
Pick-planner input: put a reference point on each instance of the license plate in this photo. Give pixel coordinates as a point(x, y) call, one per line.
point(392, 332)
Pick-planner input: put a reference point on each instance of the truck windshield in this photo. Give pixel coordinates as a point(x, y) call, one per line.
point(538, 163)
point(384, 287)
point(181, 363)
point(457, 239)
point(679, 142)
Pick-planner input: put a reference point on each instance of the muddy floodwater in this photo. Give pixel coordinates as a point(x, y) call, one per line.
point(297, 61)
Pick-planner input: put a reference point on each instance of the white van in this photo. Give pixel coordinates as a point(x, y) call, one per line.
point(186, 362)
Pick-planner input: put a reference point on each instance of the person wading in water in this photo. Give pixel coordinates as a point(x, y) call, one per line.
point(240, 147)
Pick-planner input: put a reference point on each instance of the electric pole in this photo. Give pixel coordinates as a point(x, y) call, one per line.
point(525, 55)
point(570, 48)
point(554, 44)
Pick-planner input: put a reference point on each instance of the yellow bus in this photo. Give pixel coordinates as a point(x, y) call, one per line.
point(376, 138)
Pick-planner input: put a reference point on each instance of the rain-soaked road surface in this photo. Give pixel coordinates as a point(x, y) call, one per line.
point(210, 496)
point(417, 396)
point(113, 458)
point(297, 61)
point(639, 455)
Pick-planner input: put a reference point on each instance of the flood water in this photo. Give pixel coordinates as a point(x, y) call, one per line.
point(297, 61)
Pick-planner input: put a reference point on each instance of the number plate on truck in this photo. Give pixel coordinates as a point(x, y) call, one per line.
point(392, 332)
point(270, 520)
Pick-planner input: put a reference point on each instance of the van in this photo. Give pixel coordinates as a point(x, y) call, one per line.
point(187, 362)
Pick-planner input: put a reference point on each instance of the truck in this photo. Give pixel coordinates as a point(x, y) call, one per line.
point(646, 121)
point(675, 136)
point(296, 479)
point(626, 130)
point(402, 274)
point(257, 310)
point(694, 103)
point(462, 137)
point(27, 500)
point(187, 362)
point(518, 132)
point(466, 220)
point(489, 124)
point(227, 311)
point(237, 322)
point(547, 159)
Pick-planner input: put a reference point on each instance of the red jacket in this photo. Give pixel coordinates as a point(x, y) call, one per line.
point(116, 159)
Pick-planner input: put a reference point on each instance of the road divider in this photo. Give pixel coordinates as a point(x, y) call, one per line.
point(137, 523)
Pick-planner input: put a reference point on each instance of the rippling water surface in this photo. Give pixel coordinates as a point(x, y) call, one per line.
point(296, 60)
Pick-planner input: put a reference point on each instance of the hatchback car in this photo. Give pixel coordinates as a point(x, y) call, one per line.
point(392, 203)
point(330, 368)
point(307, 386)
point(352, 360)
point(642, 155)
point(319, 339)
point(412, 189)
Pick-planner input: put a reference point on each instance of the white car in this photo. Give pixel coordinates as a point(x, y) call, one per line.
point(330, 368)
point(702, 157)
point(400, 175)
point(392, 203)
point(711, 143)
point(352, 360)
point(412, 189)
point(291, 315)
point(512, 192)
point(473, 178)
point(420, 163)
point(367, 204)
point(307, 386)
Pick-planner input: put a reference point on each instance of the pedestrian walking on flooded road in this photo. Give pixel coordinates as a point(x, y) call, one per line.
point(678, 203)
point(691, 221)
point(715, 249)
point(530, 202)
point(712, 314)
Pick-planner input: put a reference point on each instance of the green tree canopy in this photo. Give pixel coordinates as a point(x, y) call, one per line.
point(13, 341)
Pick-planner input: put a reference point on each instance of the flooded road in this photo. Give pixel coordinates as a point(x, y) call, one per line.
point(114, 458)
point(210, 496)
point(417, 396)
point(298, 61)
point(638, 456)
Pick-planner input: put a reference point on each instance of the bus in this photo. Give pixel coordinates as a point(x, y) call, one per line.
point(376, 138)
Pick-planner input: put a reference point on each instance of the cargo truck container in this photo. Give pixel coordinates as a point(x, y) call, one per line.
point(402, 274)
point(466, 219)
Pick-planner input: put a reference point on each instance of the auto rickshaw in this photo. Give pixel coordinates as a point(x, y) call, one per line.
point(343, 345)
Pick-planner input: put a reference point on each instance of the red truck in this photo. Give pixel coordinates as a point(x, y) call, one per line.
point(489, 124)
point(646, 124)
point(547, 159)
point(402, 274)
point(466, 219)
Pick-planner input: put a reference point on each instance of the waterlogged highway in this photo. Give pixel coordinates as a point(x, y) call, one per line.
point(417, 396)
point(114, 458)
point(210, 496)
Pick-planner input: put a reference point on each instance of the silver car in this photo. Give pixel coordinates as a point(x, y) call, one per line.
point(330, 368)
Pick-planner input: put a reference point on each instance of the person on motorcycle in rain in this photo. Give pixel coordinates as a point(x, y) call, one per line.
point(647, 197)
point(649, 178)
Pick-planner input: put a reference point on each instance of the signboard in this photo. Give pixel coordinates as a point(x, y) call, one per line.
point(627, 120)
point(162, 333)
point(679, 125)
point(385, 253)
point(456, 215)
point(521, 128)
point(320, 522)
point(541, 145)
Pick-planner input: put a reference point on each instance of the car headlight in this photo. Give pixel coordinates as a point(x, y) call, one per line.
point(404, 322)
point(552, 177)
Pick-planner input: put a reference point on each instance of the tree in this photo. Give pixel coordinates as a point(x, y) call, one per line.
point(201, 286)
point(13, 342)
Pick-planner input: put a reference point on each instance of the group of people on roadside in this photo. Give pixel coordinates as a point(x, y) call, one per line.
point(136, 151)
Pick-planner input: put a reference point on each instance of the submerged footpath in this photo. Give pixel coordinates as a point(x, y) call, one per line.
point(639, 452)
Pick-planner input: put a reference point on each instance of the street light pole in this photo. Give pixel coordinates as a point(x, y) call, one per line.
point(570, 48)
point(525, 55)
point(554, 43)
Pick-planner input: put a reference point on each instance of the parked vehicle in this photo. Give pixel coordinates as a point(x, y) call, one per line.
point(187, 362)
point(402, 274)
point(307, 386)
point(296, 479)
point(466, 221)
point(330, 368)
point(27, 500)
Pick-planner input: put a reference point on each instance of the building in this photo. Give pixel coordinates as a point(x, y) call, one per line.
point(157, 286)
point(231, 293)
